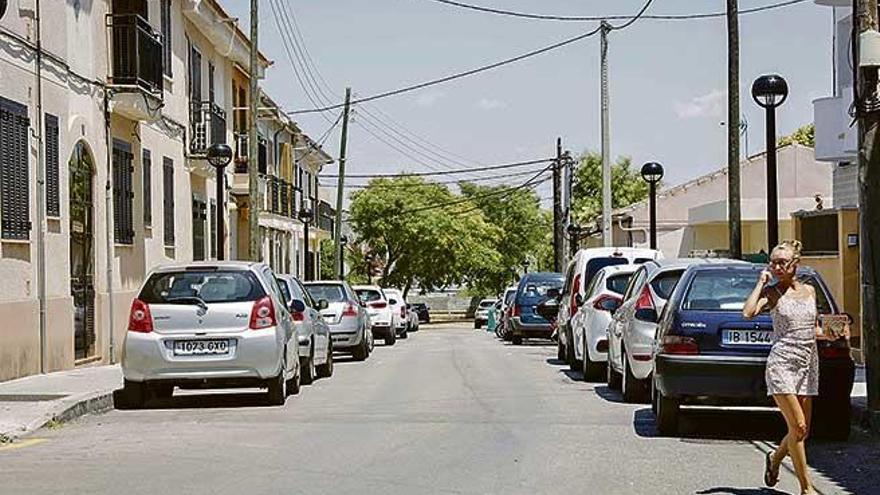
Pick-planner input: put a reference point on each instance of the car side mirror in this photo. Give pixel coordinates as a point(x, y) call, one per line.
point(323, 304)
point(579, 299)
point(648, 315)
point(553, 293)
point(392, 301)
point(610, 304)
point(297, 306)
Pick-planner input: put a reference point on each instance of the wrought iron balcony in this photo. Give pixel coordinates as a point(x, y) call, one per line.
point(136, 59)
point(207, 126)
point(277, 196)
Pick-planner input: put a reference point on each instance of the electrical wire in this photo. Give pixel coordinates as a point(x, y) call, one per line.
point(435, 183)
point(661, 17)
point(445, 172)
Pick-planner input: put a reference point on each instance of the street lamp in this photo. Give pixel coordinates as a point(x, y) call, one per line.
point(769, 92)
point(343, 241)
point(574, 234)
point(652, 172)
point(525, 265)
point(219, 156)
point(306, 217)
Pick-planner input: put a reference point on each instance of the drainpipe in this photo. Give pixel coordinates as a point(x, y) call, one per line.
point(108, 218)
point(41, 197)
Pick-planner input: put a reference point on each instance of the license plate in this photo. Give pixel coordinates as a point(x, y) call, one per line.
point(199, 347)
point(747, 337)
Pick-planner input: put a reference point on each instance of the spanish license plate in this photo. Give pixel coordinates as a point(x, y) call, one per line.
point(199, 347)
point(747, 337)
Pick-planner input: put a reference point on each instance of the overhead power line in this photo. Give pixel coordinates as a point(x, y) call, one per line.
point(661, 17)
point(438, 183)
point(444, 172)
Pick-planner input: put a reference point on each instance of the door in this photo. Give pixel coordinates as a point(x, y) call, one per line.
point(199, 221)
point(82, 287)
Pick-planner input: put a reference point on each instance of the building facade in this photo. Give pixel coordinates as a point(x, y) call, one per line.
point(107, 109)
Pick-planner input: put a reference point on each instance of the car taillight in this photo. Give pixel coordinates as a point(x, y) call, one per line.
point(575, 288)
point(379, 304)
point(140, 319)
point(601, 300)
point(515, 311)
point(645, 300)
point(263, 314)
point(297, 316)
point(675, 344)
point(350, 310)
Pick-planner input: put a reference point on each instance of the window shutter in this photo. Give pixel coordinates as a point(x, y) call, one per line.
point(123, 194)
point(14, 171)
point(147, 164)
point(168, 196)
point(165, 7)
point(53, 199)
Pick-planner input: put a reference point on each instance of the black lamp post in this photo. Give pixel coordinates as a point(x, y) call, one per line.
point(769, 92)
point(219, 156)
point(525, 265)
point(305, 215)
point(574, 235)
point(652, 172)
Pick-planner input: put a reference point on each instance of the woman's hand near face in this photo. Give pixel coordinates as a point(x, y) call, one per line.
point(757, 300)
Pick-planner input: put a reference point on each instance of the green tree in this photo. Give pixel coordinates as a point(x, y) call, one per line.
point(627, 187)
point(521, 231)
point(328, 259)
point(805, 135)
point(421, 233)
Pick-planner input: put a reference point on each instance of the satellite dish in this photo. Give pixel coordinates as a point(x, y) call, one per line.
point(2, 8)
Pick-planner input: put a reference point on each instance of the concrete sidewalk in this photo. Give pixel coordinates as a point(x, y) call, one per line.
point(27, 404)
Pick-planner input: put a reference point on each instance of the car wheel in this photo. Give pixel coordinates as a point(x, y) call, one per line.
point(477, 325)
point(326, 370)
point(592, 370)
point(134, 394)
point(667, 414)
point(308, 368)
point(653, 398)
point(573, 363)
point(391, 339)
point(294, 384)
point(612, 378)
point(277, 389)
point(517, 339)
point(633, 389)
point(361, 352)
point(404, 334)
point(560, 349)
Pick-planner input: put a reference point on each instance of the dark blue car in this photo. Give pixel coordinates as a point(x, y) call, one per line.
point(533, 289)
point(707, 353)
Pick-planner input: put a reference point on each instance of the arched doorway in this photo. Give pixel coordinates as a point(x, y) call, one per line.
point(82, 251)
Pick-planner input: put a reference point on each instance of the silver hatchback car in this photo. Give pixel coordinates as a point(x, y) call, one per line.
point(210, 325)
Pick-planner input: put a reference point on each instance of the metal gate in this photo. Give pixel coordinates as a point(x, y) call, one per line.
point(82, 235)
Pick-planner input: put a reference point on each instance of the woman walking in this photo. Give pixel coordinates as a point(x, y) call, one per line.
point(793, 364)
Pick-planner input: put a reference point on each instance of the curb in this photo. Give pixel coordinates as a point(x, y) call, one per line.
point(65, 411)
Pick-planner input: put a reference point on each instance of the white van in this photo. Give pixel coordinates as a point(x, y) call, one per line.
point(578, 275)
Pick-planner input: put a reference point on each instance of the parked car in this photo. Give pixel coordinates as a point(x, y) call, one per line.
point(592, 316)
point(502, 328)
point(533, 289)
point(423, 311)
point(347, 318)
point(398, 307)
point(412, 318)
point(707, 353)
point(382, 320)
point(481, 315)
point(578, 276)
point(313, 333)
point(632, 328)
point(210, 324)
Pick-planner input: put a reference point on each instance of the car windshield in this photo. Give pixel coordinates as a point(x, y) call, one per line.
point(209, 286)
point(596, 264)
point(618, 283)
point(369, 295)
point(330, 292)
point(720, 290)
point(664, 283)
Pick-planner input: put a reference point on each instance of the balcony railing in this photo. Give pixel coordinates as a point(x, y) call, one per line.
point(241, 152)
point(136, 60)
point(208, 126)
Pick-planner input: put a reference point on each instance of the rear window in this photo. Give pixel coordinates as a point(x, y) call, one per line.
point(641, 261)
point(596, 264)
point(508, 298)
point(210, 286)
point(664, 283)
point(330, 292)
point(535, 288)
point(618, 283)
point(725, 290)
point(368, 295)
point(487, 304)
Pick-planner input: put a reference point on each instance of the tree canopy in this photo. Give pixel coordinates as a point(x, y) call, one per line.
point(805, 135)
point(627, 187)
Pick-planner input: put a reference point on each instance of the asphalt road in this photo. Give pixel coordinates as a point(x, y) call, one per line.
point(450, 410)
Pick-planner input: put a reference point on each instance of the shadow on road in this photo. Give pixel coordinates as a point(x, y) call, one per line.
point(610, 395)
point(207, 400)
point(727, 490)
point(555, 362)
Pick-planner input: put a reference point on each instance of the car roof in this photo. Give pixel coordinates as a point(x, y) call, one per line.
point(682, 263)
point(615, 269)
point(605, 251)
point(488, 299)
point(324, 282)
point(226, 265)
point(542, 275)
point(367, 287)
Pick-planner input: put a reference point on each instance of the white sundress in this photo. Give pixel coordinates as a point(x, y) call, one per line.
point(793, 363)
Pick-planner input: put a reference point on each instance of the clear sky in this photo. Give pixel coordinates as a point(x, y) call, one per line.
point(668, 78)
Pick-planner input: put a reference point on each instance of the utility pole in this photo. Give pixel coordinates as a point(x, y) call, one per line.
point(340, 192)
point(869, 198)
point(566, 198)
point(607, 241)
point(558, 236)
point(255, 250)
point(734, 210)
